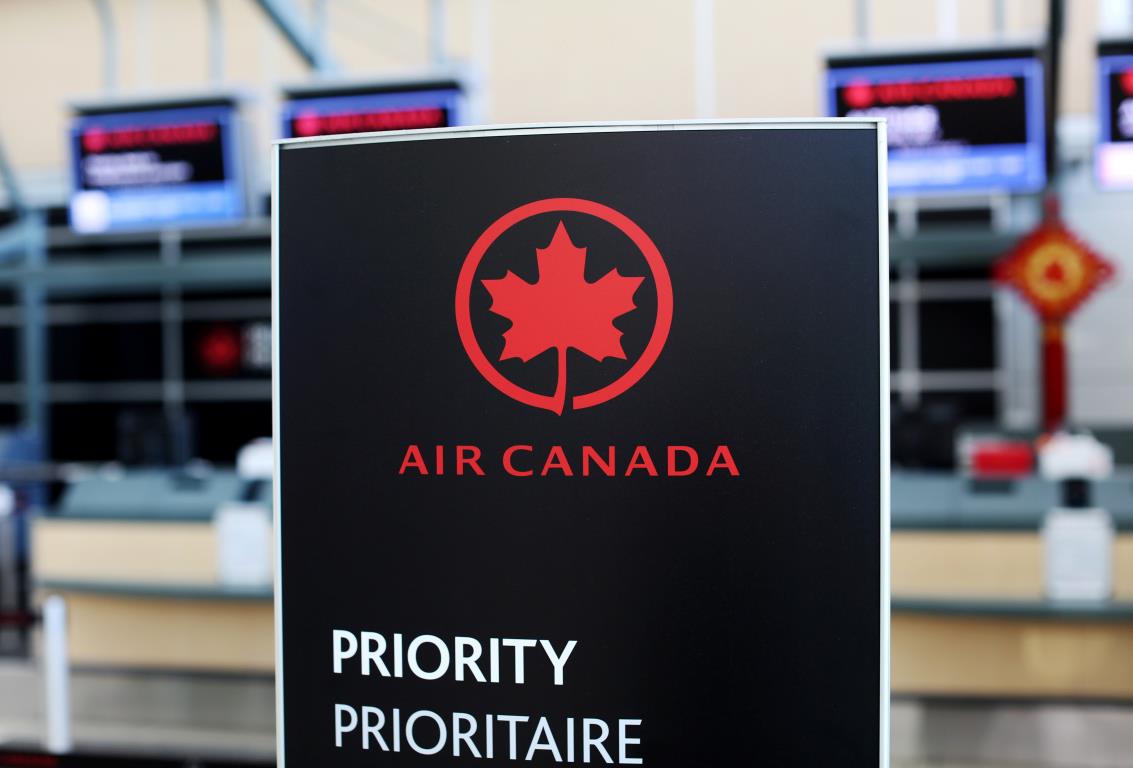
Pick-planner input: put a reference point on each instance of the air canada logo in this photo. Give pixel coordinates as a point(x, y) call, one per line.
point(563, 304)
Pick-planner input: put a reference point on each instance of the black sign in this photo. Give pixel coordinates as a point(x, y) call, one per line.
point(580, 447)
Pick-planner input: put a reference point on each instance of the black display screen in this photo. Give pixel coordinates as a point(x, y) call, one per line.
point(1120, 112)
point(137, 168)
point(361, 109)
point(970, 111)
point(312, 123)
point(956, 121)
point(139, 154)
point(1114, 155)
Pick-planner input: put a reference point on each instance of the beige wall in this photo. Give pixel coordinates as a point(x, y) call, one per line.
point(545, 59)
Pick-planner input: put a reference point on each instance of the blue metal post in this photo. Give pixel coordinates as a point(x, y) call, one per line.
point(33, 336)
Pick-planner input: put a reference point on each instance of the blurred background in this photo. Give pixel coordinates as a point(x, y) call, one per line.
point(135, 329)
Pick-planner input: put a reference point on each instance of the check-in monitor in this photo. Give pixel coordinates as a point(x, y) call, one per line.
point(959, 121)
point(1113, 158)
point(138, 166)
point(326, 109)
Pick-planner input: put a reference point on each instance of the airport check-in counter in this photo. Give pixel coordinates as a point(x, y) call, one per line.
point(970, 613)
point(138, 557)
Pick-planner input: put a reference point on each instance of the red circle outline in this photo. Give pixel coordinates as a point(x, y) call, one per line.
point(575, 205)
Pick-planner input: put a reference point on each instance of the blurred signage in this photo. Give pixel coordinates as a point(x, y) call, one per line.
point(325, 110)
point(147, 167)
point(1113, 159)
point(607, 490)
point(958, 121)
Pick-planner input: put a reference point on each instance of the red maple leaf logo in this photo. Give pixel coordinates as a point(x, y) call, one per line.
point(561, 310)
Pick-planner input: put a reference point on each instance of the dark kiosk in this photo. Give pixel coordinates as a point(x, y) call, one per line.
point(581, 441)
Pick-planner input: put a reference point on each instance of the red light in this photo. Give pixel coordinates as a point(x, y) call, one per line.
point(307, 123)
point(220, 350)
point(94, 140)
point(858, 94)
point(1127, 82)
